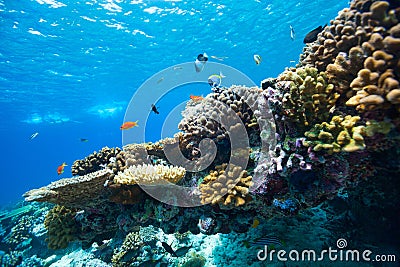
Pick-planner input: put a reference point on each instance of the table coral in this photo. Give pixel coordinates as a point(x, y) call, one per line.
point(81, 191)
point(61, 227)
point(227, 185)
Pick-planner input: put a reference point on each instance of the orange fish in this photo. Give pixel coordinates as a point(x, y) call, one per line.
point(196, 98)
point(60, 169)
point(129, 124)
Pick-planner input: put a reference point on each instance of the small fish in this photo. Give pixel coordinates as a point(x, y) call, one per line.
point(202, 57)
point(257, 59)
point(313, 35)
point(196, 98)
point(33, 136)
point(60, 169)
point(154, 109)
point(256, 222)
point(160, 80)
point(84, 140)
point(200, 62)
point(264, 241)
point(215, 80)
point(168, 249)
point(292, 33)
point(128, 125)
point(219, 58)
point(178, 68)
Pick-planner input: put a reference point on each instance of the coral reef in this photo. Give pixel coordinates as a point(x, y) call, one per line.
point(11, 259)
point(132, 242)
point(139, 248)
point(20, 236)
point(360, 53)
point(61, 227)
point(227, 185)
point(307, 138)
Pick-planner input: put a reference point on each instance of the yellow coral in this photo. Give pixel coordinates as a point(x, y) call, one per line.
point(340, 134)
point(146, 174)
point(228, 186)
point(310, 96)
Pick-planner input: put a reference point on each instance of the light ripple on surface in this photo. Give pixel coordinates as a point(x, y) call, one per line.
point(78, 55)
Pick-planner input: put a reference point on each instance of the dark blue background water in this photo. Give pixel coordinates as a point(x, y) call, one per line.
point(69, 69)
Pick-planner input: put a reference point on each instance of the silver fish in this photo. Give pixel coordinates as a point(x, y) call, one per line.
point(34, 135)
point(292, 33)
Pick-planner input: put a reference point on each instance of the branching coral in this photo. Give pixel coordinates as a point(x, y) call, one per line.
point(61, 227)
point(130, 245)
point(19, 236)
point(340, 134)
point(227, 185)
point(150, 175)
point(307, 97)
point(360, 53)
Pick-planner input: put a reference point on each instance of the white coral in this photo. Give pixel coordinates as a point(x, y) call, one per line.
point(147, 174)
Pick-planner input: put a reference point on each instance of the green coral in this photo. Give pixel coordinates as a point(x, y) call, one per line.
point(340, 134)
point(309, 97)
point(61, 227)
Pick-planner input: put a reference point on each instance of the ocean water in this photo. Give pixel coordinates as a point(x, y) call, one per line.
point(68, 69)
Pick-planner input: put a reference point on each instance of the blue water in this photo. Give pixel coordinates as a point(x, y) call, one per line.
point(69, 69)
